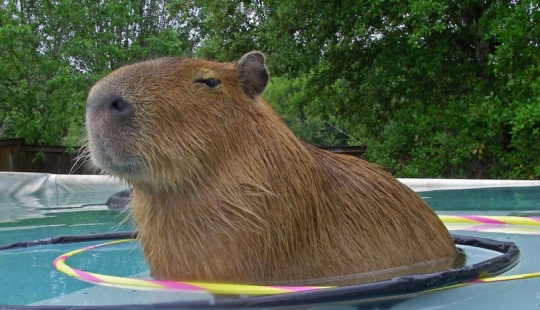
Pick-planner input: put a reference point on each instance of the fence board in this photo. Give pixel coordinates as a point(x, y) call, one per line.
point(15, 155)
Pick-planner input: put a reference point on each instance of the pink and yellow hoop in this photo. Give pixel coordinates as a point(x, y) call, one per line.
point(471, 222)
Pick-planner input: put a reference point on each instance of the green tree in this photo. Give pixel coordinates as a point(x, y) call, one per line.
point(285, 96)
point(432, 88)
point(52, 52)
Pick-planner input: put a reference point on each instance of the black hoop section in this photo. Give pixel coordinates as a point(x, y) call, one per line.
point(70, 239)
point(365, 296)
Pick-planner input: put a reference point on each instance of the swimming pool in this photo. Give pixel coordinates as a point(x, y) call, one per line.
point(42, 206)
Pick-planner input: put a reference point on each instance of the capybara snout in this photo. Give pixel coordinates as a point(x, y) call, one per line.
point(222, 190)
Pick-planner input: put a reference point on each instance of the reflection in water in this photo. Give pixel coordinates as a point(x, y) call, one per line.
point(14, 208)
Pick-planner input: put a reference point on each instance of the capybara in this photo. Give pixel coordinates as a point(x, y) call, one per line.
point(223, 191)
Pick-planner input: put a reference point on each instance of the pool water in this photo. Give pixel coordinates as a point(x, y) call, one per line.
point(36, 217)
point(27, 277)
point(506, 200)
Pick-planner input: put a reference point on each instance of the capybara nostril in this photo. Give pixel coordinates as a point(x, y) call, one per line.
point(120, 107)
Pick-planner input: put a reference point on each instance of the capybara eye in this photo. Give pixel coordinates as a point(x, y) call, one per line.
point(209, 82)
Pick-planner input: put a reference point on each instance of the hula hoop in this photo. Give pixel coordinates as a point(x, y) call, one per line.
point(378, 294)
point(213, 288)
point(492, 220)
point(493, 224)
point(239, 289)
point(149, 284)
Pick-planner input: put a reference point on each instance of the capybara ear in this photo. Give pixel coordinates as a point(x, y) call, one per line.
point(253, 73)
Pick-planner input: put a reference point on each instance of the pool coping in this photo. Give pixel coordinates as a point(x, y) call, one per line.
point(422, 185)
point(29, 183)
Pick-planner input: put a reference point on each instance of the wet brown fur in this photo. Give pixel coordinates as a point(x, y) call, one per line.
point(223, 191)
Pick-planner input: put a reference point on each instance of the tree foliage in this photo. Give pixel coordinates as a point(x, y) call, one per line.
point(51, 52)
point(432, 88)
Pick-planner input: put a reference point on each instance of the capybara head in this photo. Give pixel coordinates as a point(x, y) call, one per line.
point(145, 118)
point(222, 190)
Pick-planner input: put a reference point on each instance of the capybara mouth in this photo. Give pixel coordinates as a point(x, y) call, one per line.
point(113, 159)
point(125, 167)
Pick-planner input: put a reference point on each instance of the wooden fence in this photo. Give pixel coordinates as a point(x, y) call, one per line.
point(15, 155)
